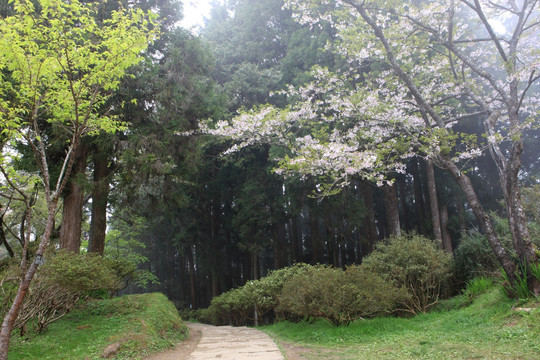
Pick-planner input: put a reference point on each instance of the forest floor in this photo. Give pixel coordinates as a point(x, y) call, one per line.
point(223, 342)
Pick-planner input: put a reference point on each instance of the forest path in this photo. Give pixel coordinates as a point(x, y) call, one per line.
point(223, 342)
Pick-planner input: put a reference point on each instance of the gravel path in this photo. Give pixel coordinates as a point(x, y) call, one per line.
point(223, 342)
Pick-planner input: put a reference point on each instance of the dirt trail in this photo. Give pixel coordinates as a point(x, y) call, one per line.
point(223, 342)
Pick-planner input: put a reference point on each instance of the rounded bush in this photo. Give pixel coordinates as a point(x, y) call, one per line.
point(414, 263)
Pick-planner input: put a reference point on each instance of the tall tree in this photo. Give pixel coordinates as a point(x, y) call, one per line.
point(54, 70)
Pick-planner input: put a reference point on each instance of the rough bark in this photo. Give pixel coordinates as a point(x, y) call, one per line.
point(446, 238)
point(434, 203)
point(100, 195)
point(316, 246)
point(483, 218)
point(392, 210)
point(369, 224)
point(70, 229)
point(3, 239)
point(402, 185)
point(418, 194)
point(24, 285)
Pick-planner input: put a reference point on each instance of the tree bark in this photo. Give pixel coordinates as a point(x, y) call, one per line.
point(100, 195)
point(3, 239)
point(24, 285)
point(434, 203)
point(446, 238)
point(70, 229)
point(483, 219)
point(368, 224)
point(418, 194)
point(392, 210)
point(402, 185)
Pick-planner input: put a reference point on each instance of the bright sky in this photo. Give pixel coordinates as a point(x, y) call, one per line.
point(194, 13)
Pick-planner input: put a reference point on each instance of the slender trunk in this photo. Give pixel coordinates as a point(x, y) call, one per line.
point(434, 203)
point(24, 285)
point(70, 230)
point(483, 219)
point(100, 195)
point(402, 187)
point(296, 245)
point(392, 210)
point(3, 239)
point(461, 216)
point(446, 239)
point(315, 238)
point(418, 194)
point(369, 224)
point(192, 277)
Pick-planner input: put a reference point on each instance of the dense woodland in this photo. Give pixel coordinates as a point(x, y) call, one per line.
point(162, 193)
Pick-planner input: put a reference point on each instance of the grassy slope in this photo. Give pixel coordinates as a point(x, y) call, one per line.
point(487, 329)
point(140, 323)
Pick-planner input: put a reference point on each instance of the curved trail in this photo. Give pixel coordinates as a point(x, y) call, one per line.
point(223, 342)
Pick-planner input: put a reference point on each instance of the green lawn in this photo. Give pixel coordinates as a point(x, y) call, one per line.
point(486, 329)
point(139, 323)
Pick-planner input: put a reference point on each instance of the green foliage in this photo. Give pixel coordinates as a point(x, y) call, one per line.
point(338, 296)
point(414, 263)
point(486, 329)
point(519, 289)
point(474, 258)
point(58, 285)
point(124, 248)
point(477, 286)
point(141, 324)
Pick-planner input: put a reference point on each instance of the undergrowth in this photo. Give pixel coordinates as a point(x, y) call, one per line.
point(138, 323)
point(487, 328)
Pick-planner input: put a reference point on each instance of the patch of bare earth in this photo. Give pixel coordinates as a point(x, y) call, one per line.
point(182, 350)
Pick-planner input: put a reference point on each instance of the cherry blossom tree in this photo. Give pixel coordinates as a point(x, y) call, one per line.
point(417, 71)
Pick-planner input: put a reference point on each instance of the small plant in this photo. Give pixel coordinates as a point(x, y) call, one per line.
point(519, 289)
point(477, 286)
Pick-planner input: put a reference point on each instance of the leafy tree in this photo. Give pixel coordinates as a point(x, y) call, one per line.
point(416, 71)
point(58, 68)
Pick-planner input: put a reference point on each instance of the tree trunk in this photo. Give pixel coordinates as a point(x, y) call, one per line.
point(70, 229)
point(315, 238)
point(434, 203)
point(483, 219)
point(461, 216)
point(3, 239)
point(392, 210)
point(402, 186)
point(368, 224)
point(296, 244)
point(446, 239)
point(192, 277)
point(418, 194)
point(24, 285)
point(100, 195)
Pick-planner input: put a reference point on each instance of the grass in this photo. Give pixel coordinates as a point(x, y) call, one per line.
point(486, 329)
point(139, 323)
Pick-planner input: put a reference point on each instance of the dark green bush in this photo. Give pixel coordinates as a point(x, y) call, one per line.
point(474, 258)
point(414, 263)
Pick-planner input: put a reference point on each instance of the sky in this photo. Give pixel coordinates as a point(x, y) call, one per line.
point(194, 13)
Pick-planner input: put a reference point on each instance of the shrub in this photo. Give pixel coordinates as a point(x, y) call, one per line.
point(57, 287)
point(414, 263)
point(238, 306)
point(337, 296)
point(474, 258)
